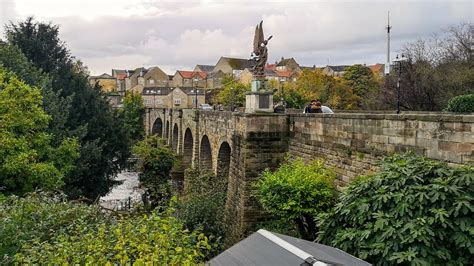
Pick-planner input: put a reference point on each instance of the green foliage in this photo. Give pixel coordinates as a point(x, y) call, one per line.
point(133, 111)
point(201, 205)
point(363, 84)
point(298, 192)
point(155, 162)
point(41, 229)
point(461, 104)
point(233, 94)
point(104, 143)
point(414, 211)
point(27, 159)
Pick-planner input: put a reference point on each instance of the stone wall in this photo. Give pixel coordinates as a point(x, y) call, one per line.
point(353, 143)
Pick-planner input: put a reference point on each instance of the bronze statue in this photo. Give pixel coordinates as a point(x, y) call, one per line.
point(260, 52)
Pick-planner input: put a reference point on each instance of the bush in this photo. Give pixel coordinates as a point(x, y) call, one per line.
point(298, 192)
point(414, 211)
point(461, 104)
point(53, 231)
point(201, 206)
point(154, 165)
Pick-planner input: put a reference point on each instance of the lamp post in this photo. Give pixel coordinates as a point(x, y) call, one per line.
point(282, 98)
point(195, 93)
point(399, 61)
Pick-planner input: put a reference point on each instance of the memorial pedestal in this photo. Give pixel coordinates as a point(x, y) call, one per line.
point(258, 101)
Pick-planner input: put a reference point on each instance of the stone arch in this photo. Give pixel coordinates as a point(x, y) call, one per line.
point(175, 138)
point(167, 129)
point(223, 161)
point(205, 154)
point(188, 145)
point(157, 128)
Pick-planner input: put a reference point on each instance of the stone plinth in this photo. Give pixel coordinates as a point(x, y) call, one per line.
point(258, 100)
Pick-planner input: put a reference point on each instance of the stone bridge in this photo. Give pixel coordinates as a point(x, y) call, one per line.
point(239, 146)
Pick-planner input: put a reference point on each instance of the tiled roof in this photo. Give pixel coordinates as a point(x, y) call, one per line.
point(377, 68)
point(157, 90)
point(103, 76)
point(205, 68)
point(192, 74)
point(270, 66)
point(191, 90)
point(339, 68)
point(284, 61)
point(239, 63)
point(121, 75)
point(284, 74)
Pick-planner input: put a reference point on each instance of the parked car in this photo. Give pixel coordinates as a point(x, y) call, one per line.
point(205, 107)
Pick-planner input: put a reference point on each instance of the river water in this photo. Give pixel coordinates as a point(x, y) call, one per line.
point(125, 194)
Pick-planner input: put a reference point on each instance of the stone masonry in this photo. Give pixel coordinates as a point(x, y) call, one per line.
point(352, 143)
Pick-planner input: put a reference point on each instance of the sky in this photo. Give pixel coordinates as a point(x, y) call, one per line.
point(173, 35)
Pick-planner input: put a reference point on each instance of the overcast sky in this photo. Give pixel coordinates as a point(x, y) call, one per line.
point(173, 35)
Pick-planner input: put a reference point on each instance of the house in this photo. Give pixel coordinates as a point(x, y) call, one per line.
point(203, 68)
point(190, 79)
point(267, 248)
point(167, 97)
point(155, 77)
point(335, 71)
point(233, 66)
point(106, 81)
point(214, 79)
point(120, 75)
point(287, 64)
point(377, 69)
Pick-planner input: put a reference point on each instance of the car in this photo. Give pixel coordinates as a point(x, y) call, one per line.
point(205, 107)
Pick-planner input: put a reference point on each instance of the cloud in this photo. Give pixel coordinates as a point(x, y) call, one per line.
point(180, 34)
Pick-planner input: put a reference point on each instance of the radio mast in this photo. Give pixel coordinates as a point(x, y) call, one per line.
point(387, 64)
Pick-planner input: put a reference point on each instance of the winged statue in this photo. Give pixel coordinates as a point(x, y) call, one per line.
point(260, 52)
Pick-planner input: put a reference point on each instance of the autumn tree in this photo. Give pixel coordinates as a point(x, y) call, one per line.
point(364, 84)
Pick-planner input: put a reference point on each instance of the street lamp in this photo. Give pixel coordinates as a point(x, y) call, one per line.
point(195, 91)
point(282, 98)
point(399, 72)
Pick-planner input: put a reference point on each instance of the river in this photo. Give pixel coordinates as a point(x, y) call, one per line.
point(124, 195)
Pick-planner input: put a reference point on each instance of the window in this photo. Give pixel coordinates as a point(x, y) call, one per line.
point(159, 101)
point(194, 101)
point(177, 102)
point(151, 81)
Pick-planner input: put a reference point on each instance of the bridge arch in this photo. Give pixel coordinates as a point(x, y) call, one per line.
point(188, 146)
point(205, 154)
point(167, 129)
point(157, 128)
point(223, 161)
point(175, 138)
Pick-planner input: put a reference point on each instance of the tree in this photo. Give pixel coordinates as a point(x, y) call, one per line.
point(105, 147)
point(298, 192)
point(55, 105)
point(47, 229)
point(133, 112)
point(414, 211)
point(438, 69)
point(155, 162)
point(27, 159)
point(233, 94)
point(363, 84)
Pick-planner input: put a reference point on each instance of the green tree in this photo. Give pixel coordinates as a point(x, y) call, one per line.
point(233, 94)
point(414, 211)
point(363, 83)
point(105, 146)
point(201, 206)
point(297, 192)
point(48, 229)
point(55, 105)
point(133, 112)
point(155, 162)
point(27, 159)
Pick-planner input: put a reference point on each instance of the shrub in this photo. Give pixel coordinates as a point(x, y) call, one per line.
point(154, 165)
point(297, 192)
point(414, 211)
point(461, 104)
point(201, 206)
point(56, 232)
